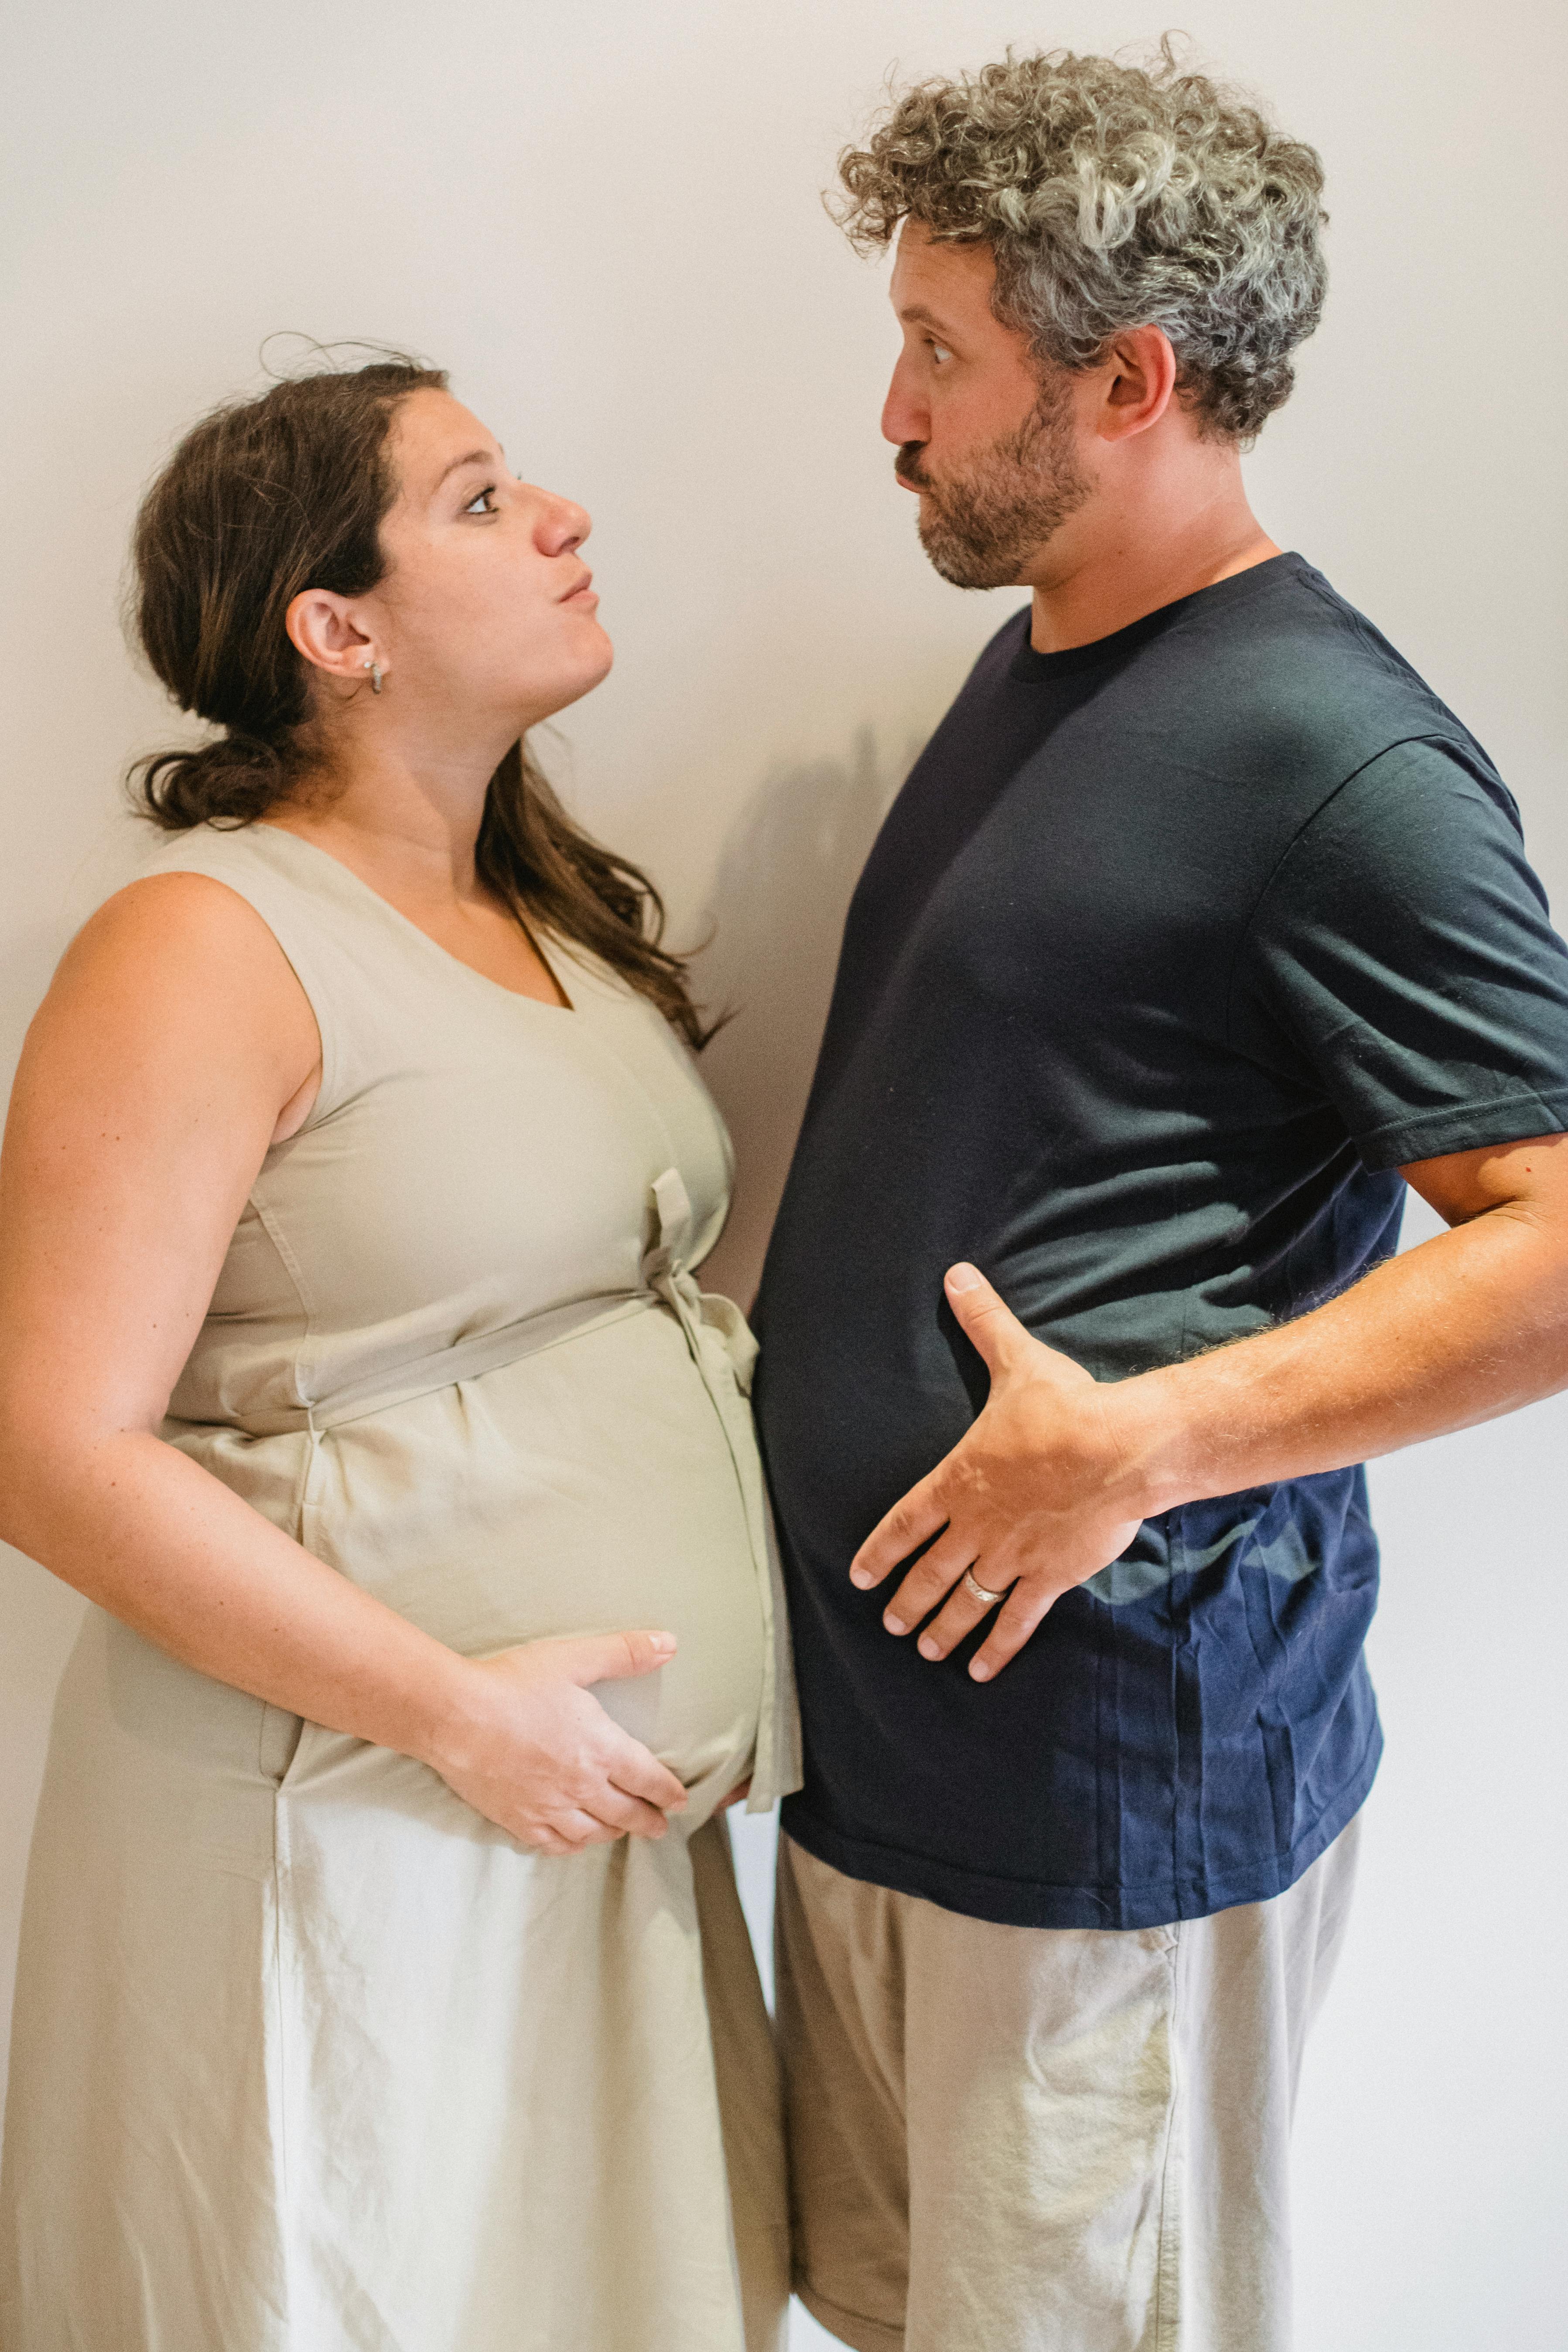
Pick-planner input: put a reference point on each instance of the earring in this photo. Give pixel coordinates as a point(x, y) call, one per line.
point(376, 673)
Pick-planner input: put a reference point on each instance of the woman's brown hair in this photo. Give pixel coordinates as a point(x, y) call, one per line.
point(265, 498)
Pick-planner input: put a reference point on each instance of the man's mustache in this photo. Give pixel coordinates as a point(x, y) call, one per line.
point(907, 467)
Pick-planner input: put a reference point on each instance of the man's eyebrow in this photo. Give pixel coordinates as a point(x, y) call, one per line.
point(917, 315)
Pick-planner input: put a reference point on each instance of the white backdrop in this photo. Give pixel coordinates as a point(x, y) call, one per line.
point(606, 222)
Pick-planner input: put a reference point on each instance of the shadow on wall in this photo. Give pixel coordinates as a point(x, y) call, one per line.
point(776, 914)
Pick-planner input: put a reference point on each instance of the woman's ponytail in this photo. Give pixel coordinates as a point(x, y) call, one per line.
point(232, 781)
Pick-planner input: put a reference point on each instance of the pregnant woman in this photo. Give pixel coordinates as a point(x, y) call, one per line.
point(382, 1981)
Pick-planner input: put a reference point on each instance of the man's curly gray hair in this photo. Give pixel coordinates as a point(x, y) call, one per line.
point(1113, 196)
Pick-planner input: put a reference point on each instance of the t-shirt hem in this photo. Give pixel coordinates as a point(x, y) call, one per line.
point(1027, 1903)
point(1508, 1118)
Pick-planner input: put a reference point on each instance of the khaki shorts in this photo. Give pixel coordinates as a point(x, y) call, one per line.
point(1042, 2139)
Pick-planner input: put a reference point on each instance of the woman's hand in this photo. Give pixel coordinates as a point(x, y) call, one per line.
point(532, 1750)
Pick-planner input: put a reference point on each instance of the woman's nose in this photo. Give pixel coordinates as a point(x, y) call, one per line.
point(563, 526)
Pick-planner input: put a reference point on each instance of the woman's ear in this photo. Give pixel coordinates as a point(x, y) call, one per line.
point(323, 632)
point(1140, 382)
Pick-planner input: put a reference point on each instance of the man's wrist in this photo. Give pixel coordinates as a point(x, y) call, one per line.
point(1154, 1443)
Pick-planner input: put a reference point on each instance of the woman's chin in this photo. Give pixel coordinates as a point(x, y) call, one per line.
point(570, 682)
point(591, 657)
point(605, 650)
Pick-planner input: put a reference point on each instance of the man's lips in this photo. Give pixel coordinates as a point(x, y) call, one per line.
point(580, 588)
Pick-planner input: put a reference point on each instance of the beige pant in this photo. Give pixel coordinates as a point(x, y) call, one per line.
point(1043, 2139)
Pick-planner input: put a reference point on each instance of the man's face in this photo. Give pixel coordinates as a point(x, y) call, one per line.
point(989, 446)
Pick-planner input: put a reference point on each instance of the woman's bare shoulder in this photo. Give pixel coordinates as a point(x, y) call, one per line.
point(175, 921)
point(179, 962)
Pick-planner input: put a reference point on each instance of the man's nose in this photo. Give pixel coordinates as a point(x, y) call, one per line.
point(904, 417)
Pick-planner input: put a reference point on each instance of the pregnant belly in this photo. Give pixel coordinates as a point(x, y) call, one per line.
point(586, 1489)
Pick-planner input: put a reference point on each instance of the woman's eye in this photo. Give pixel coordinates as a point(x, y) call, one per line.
point(939, 353)
point(482, 504)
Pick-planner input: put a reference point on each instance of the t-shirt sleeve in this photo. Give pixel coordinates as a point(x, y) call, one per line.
point(1403, 953)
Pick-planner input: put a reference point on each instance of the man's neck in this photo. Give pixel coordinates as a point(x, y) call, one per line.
point(1118, 561)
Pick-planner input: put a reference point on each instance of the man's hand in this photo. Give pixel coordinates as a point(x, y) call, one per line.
point(1057, 1472)
point(1035, 1499)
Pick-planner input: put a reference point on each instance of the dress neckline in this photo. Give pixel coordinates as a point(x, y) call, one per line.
point(358, 882)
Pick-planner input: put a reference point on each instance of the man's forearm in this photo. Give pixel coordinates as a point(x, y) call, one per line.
point(1466, 1326)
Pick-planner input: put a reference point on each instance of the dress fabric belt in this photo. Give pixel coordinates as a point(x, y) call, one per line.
point(464, 1359)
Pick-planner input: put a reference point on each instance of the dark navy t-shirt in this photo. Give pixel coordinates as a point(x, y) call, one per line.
point(1172, 951)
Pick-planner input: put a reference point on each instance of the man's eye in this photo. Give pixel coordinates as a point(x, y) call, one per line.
point(481, 505)
point(939, 351)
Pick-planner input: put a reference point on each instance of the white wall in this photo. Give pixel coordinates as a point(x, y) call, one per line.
point(605, 220)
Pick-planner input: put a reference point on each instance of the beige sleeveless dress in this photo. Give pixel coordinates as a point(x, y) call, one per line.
point(307, 2055)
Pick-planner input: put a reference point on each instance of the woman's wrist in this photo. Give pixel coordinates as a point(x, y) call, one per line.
point(441, 1717)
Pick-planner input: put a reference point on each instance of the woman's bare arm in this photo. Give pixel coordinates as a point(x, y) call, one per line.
point(174, 1047)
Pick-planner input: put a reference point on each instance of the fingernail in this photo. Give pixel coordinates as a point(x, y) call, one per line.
point(663, 1640)
point(927, 1648)
point(979, 1670)
point(895, 1625)
point(963, 1276)
point(862, 1577)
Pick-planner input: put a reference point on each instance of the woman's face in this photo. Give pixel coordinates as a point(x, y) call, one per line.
point(485, 612)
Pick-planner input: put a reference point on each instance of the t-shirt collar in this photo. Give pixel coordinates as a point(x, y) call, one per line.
point(1034, 668)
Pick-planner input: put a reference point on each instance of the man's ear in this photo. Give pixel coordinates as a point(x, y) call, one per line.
point(1139, 375)
point(323, 632)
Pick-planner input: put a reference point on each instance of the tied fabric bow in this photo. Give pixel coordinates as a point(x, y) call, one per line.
point(725, 1353)
point(705, 1316)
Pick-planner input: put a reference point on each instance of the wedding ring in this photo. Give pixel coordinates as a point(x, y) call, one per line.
point(987, 1600)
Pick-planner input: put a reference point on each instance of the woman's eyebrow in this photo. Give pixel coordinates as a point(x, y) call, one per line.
point(474, 457)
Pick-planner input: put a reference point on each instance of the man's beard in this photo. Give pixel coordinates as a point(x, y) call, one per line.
point(980, 527)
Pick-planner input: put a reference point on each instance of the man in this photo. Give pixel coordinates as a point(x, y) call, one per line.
point(1200, 929)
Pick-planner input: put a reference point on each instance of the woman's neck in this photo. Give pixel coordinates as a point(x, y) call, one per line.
point(409, 829)
point(412, 842)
